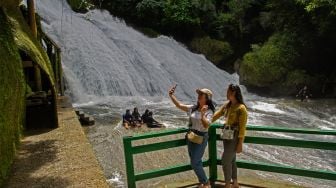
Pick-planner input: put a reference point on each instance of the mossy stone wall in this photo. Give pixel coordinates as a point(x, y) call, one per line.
point(12, 96)
point(15, 35)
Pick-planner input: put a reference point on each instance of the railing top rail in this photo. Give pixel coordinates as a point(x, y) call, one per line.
point(249, 127)
point(156, 134)
point(285, 129)
point(291, 130)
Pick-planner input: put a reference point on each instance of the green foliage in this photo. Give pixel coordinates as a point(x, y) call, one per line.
point(124, 8)
point(215, 50)
point(206, 12)
point(225, 26)
point(270, 63)
point(238, 9)
point(297, 77)
point(150, 7)
point(181, 12)
point(80, 5)
point(12, 92)
point(11, 3)
point(322, 13)
point(151, 10)
point(283, 15)
point(234, 17)
point(148, 32)
point(29, 44)
point(312, 5)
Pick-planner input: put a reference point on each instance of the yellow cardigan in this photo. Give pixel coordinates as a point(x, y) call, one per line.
point(236, 115)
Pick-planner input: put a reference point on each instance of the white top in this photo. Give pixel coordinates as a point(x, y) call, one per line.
point(196, 119)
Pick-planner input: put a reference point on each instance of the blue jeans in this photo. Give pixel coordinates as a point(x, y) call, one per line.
point(196, 152)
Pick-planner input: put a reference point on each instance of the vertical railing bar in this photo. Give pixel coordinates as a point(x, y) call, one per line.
point(212, 154)
point(131, 182)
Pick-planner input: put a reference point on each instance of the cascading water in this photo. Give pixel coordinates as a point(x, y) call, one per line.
point(103, 57)
point(110, 67)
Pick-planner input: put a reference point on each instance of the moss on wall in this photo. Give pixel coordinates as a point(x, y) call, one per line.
point(13, 3)
point(15, 35)
point(12, 92)
point(29, 44)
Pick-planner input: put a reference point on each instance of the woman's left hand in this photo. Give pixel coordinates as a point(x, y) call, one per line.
point(204, 109)
point(239, 148)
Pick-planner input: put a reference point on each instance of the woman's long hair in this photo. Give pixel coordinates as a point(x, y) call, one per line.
point(209, 102)
point(238, 95)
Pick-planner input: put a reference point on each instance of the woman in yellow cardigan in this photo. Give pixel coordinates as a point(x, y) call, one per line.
point(235, 116)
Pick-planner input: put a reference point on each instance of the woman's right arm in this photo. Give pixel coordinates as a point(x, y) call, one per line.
point(218, 114)
point(177, 103)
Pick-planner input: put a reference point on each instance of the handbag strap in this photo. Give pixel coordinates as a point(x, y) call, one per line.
point(236, 124)
point(189, 113)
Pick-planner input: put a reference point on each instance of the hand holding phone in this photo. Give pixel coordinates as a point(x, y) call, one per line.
point(172, 90)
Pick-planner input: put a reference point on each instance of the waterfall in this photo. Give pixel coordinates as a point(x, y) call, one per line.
point(102, 57)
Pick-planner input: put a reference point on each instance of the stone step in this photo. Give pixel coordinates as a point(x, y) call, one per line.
point(85, 119)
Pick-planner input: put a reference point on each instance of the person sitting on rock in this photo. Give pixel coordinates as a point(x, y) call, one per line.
point(304, 94)
point(151, 122)
point(137, 121)
point(127, 119)
point(144, 116)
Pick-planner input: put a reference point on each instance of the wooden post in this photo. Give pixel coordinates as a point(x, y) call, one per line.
point(33, 27)
point(60, 71)
point(31, 16)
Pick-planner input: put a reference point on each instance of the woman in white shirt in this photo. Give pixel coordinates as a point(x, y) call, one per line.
point(200, 116)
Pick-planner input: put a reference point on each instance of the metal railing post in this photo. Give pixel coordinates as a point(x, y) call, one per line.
point(129, 162)
point(212, 154)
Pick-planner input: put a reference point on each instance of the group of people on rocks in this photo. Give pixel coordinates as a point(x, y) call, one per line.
point(134, 119)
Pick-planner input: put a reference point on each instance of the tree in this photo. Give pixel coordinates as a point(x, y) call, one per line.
point(181, 13)
point(312, 5)
point(151, 11)
point(269, 63)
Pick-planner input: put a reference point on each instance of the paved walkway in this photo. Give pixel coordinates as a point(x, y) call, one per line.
point(61, 157)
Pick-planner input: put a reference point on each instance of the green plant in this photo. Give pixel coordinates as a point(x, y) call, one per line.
point(215, 50)
point(12, 95)
point(181, 12)
point(151, 9)
point(80, 5)
point(269, 63)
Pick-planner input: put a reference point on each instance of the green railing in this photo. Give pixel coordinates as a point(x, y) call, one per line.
point(213, 160)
